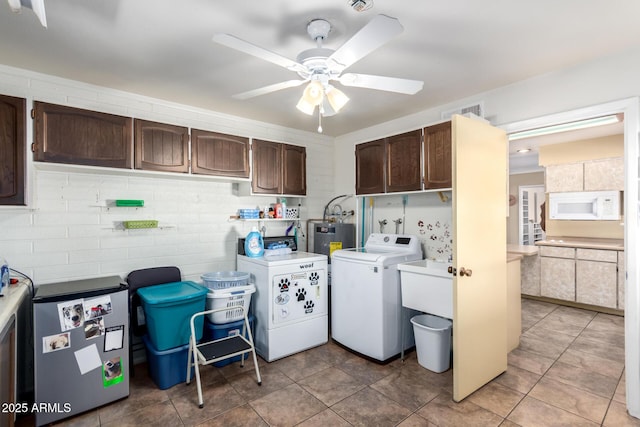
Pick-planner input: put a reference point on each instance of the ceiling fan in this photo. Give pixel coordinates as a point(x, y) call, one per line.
point(319, 66)
point(36, 5)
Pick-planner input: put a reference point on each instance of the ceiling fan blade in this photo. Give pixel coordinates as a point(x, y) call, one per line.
point(268, 89)
point(259, 52)
point(377, 32)
point(390, 84)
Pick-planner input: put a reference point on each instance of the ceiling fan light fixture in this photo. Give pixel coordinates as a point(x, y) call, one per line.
point(311, 97)
point(336, 98)
point(15, 5)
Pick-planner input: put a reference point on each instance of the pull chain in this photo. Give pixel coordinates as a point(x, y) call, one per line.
point(319, 120)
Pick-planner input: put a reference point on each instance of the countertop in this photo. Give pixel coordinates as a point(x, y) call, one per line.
point(583, 242)
point(513, 257)
point(524, 250)
point(11, 301)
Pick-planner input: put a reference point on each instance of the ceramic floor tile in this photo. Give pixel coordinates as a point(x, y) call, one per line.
point(272, 380)
point(365, 371)
point(370, 408)
point(584, 379)
point(617, 416)
point(518, 379)
point(301, 365)
point(416, 420)
point(163, 414)
point(242, 416)
point(529, 361)
point(89, 419)
point(331, 385)
point(288, 406)
point(572, 399)
point(444, 412)
point(534, 413)
point(324, 419)
point(621, 393)
point(573, 316)
point(607, 323)
point(560, 325)
point(410, 391)
point(541, 346)
point(592, 362)
point(593, 346)
point(217, 399)
point(611, 338)
point(551, 337)
point(496, 398)
point(332, 353)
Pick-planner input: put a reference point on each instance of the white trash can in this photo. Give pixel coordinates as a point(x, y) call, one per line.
point(433, 341)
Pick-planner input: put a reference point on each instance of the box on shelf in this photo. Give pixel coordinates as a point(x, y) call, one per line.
point(169, 367)
point(239, 296)
point(249, 213)
point(168, 309)
point(213, 331)
point(225, 279)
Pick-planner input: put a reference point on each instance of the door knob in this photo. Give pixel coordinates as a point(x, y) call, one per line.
point(451, 270)
point(465, 272)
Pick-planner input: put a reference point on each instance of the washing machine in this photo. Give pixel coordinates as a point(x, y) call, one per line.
point(365, 296)
point(291, 302)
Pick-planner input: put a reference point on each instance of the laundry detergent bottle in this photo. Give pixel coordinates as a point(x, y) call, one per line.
point(4, 276)
point(253, 244)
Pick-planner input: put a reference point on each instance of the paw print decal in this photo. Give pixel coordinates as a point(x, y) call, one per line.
point(313, 278)
point(301, 294)
point(308, 307)
point(284, 285)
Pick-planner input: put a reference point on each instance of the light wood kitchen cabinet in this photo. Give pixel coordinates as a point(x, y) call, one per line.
point(437, 156)
point(161, 147)
point(564, 177)
point(403, 162)
point(605, 174)
point(278, 168)
point(596, 277)
point(219, 154)
point(12, 147)
point(82, 137)
point(621, 280)
point(530, 281)
point(557, 273)
point(370, 177)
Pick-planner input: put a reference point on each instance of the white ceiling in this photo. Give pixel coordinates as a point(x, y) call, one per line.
point(459, 48)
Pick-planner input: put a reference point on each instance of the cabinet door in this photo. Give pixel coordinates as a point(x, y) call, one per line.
point(621, 281)
point(218, 154)
point(294, 178)
point(81, 137)
point(437, 156)
point(370, 167)
point(596, 283)
point(403, 162)
point(161, 147)
point(558, 278)
point(605, 174)
point(12, 150)
point(564, 177)
point(267, 167)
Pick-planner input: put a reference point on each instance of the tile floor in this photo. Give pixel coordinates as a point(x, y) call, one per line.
point(568, 370)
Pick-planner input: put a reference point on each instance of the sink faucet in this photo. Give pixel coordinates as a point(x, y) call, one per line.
point(398, 222)
point(382, 223)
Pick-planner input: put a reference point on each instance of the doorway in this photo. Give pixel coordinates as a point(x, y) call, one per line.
point(631, 109)
point(531, 199)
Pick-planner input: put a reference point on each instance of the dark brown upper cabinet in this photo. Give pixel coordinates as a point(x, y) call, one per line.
point(12, 150)
point(370, 158)
point(403, 162)
point(75, 136)
point(437, 156)
point(161, 147)
point(219, 154)
point(278, 168)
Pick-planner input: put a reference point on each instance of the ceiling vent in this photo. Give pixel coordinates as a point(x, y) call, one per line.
point(475, 109)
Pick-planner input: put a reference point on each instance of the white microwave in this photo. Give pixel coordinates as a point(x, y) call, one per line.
point(585, 205)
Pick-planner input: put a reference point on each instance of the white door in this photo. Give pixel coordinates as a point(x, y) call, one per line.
point(479, 254)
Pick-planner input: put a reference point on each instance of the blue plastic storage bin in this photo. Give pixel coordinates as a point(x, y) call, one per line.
point(168, 309)
point(169, 367)
point(214, 331)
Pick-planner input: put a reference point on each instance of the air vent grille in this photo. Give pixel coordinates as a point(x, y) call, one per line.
point(475, 109)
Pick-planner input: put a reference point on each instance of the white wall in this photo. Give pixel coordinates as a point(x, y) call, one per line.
point(64, 233)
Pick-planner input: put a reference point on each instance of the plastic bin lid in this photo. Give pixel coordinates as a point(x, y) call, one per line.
point(171, 292)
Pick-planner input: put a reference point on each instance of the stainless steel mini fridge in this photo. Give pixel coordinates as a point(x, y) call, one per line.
point(81, 344)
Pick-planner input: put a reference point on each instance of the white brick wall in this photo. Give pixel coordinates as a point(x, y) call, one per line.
point(67, 232)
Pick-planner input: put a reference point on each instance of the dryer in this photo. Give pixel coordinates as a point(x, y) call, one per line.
point(291, 302)
point(366, 306)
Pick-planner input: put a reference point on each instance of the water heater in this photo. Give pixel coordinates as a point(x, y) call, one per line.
point(331, 236)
